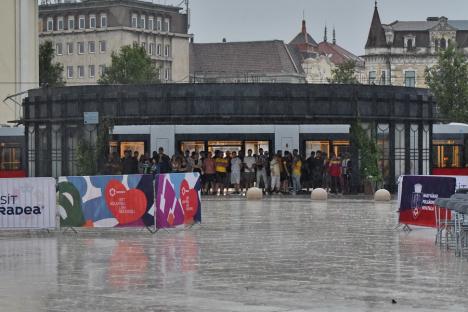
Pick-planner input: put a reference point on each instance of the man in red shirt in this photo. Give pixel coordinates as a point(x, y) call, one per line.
point(334, 169)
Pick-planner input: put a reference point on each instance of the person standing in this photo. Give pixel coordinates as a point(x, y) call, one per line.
point(318, 170)
point(128, 164)
point(286, 172)
point(346, 174)
point(195, 163)
point(260, 164)
point(221, 165)
point(296, 174)
point(275, 170)
point(164, 162)
point(249, 169)
point(210, 173)
point(310, 163)
point(236, 164)
point(335, 173)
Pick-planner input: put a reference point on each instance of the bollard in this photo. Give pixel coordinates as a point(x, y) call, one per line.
point(319, 194)
point(254, 193)
point(382, 195)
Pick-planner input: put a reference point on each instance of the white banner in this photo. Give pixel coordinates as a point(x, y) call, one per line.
point(28, 203)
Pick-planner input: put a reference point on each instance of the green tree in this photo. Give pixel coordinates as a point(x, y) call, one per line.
point(50, 73)
point(344, 73)
point(448, 82)
point(369, 154)
point(131, 65)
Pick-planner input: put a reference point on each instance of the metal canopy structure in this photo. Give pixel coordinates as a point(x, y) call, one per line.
point(53, 117)
point(229, 104)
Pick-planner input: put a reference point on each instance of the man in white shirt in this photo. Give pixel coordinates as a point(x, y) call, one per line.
point(249, 170)
point(236, 164)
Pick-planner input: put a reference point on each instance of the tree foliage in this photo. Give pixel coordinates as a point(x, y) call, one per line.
point(50, 73)
point(131, 65)
point(344, 73)
point(448, 81)
point(369, 153)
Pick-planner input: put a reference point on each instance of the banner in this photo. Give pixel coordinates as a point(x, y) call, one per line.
point(106, 201)
point(27, 203)
point(417, 195)
point(178, 199)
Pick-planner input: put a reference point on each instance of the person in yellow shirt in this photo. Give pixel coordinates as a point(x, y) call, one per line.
point(221, 165)
point(296, 174)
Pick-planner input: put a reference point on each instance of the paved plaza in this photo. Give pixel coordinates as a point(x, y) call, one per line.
point(284, 254)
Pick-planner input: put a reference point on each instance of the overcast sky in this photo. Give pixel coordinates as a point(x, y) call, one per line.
point(245, 20)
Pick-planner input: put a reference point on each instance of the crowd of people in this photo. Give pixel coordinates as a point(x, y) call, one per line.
point(236, 172)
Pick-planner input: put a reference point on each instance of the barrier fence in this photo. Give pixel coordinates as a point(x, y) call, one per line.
point(160, 202)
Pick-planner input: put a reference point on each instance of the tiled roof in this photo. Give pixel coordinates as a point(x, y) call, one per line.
point(337, 54)
point(244, 57)
point(413, 25)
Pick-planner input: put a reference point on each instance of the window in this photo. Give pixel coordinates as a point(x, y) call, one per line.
point(91, 47)
point(143, 45)
point(409, 44)
point(81, 47)
point(151, 23)
point(102, 70)
point(50, 24)
point(81, 22)
point(70, 47)
point(443, 43)
point(91, 71)
point(134, 21)
point(59, 48)
point(158, 24)
point(166, 74)
point(103, 21)
point(10, 156)
point(92, 21)
point(80, 71)
point(372, 75)
point(60, 25)
point(71, 22)
point(167, 25)
point(158, 49)
point(143, 22)
point(102, 47)
point(167, 50)
point(151, 49)
point(69, 72)
point(410, 78)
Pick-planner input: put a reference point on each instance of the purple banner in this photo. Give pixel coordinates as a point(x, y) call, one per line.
point(178, 199)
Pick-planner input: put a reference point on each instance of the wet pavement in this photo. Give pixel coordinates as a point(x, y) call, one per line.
point(276, 255)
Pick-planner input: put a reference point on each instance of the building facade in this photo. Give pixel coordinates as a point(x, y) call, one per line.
point(319, 59)
point(84, 35)
point(399, 53)
point(19, 55)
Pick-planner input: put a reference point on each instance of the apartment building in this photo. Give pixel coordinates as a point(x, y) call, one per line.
point(84, 35)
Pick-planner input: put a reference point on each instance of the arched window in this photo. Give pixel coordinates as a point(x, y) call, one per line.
point(443, 43)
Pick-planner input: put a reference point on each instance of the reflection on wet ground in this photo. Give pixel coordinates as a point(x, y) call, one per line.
point(275, 255)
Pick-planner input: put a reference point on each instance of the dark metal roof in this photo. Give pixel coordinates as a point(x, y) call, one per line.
point(376, 38)
point(269, 57)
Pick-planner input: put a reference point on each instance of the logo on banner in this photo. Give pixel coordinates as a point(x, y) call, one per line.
point(127, 206)
point(9, 207)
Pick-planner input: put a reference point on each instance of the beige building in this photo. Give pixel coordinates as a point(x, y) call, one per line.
point(19, 68)
point(399, 53)
point(319, 59)
point(84, 35)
